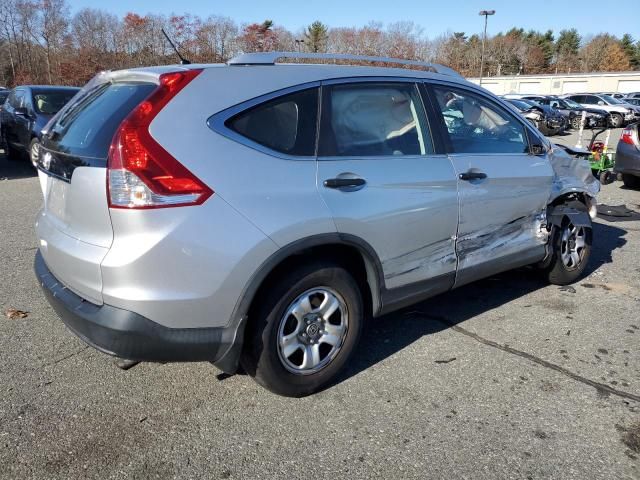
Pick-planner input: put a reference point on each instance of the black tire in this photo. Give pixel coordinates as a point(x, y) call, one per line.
point(606, 177)
point(616, 120)
point(34, 142)
point(557, 271)
point(630, 181)
point(262, 358)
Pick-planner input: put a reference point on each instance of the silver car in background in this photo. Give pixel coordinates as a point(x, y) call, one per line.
point(258, 213)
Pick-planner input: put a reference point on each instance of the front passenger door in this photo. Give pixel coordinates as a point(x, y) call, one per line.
point(503, 188)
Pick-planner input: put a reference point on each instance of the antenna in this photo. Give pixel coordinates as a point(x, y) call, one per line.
point(183, 60)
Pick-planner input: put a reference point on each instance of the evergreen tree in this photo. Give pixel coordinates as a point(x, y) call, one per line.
point(316, 37)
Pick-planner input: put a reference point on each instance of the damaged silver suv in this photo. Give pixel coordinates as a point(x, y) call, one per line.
point(257, 213)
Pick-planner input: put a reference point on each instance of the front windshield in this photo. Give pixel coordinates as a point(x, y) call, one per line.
point(611, 100)
point(520, 105)
point(532, 103)
point(50, 102)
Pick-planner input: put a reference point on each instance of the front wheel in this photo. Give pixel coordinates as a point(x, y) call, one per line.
point(571, 249)
point(34, 152)
point(575, 123)
point(615, 120)
point(304, 329)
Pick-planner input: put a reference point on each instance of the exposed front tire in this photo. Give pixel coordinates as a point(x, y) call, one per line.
point(304, 329)
point(570, 252)
point(630, 181)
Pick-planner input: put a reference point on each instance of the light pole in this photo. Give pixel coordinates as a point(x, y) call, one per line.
point(486, 14)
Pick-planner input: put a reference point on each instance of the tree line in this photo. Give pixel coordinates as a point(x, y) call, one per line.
point(42, 42)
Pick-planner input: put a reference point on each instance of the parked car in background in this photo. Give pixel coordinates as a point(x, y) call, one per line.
point(26, 111)
point(632, 95)
point(633, 101)
point(613, 94)
point(266, 223)
point(619, 114)
point(628, 156)
point(4, 93)
point(543, 117)
point(572, 110)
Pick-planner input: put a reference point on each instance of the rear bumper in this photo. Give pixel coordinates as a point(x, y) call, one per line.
point(128, 335)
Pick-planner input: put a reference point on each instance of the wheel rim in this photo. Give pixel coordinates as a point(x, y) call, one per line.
point(616, 121)
point(572, 246)
point(312, 331)
point(35, 153)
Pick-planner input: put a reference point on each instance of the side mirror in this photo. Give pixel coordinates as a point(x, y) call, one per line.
point(600, 102)
point(537, 149)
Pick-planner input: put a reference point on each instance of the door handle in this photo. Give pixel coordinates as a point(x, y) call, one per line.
point(470, 175)
point(344, 182)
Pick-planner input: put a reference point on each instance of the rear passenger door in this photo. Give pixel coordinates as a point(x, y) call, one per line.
point(503, 188)
point(383, 182)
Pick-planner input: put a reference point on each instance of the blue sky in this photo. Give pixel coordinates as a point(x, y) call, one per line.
point(588, 16)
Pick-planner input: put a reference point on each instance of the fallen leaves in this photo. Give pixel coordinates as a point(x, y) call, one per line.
point(13, 313)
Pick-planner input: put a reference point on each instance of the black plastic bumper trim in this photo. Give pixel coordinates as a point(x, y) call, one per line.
point(128, 335)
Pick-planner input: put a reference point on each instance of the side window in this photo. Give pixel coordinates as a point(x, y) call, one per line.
point(286, 124)
point(373, 119)
point(591, 100)
point(476, 125)
point(577, 98)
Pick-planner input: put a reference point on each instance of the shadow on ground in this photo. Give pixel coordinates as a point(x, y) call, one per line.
point(15, 168)
point(391, 333)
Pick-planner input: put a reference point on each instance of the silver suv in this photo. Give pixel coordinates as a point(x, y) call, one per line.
point(257, 213)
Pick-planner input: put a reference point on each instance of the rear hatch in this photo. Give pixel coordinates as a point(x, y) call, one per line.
point(74, 225)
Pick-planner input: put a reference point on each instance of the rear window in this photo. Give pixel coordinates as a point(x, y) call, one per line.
point(87, 127)
point(286, 124)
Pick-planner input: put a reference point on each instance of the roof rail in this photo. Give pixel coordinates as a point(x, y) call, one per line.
point(270, 58)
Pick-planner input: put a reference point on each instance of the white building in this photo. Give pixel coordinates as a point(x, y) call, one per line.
point(550, 84)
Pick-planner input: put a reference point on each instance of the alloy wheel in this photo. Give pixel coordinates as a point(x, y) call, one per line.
point(572, 246)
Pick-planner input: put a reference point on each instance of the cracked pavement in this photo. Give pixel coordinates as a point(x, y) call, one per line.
point(504, 378)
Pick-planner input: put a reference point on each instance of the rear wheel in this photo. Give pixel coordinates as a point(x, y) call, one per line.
point(304, 330)
point(570, 252)
point(630, 181)
point(615, 120)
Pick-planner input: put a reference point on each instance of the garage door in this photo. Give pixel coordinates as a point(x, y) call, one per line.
point(574, 87)
point(627, 86)
point(529, 87)
point(493, 87)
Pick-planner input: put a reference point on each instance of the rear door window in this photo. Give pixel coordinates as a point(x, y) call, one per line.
point(373, 120)
point(286, 124)
point(476, 125)
point(86, 127)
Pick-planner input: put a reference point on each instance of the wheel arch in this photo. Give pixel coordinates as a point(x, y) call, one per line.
point(353, 252)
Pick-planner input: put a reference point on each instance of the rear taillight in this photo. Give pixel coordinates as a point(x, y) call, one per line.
point(142, 174)
point(629, 135)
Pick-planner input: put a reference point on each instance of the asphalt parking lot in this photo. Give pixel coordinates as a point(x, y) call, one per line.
point(504, 378)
